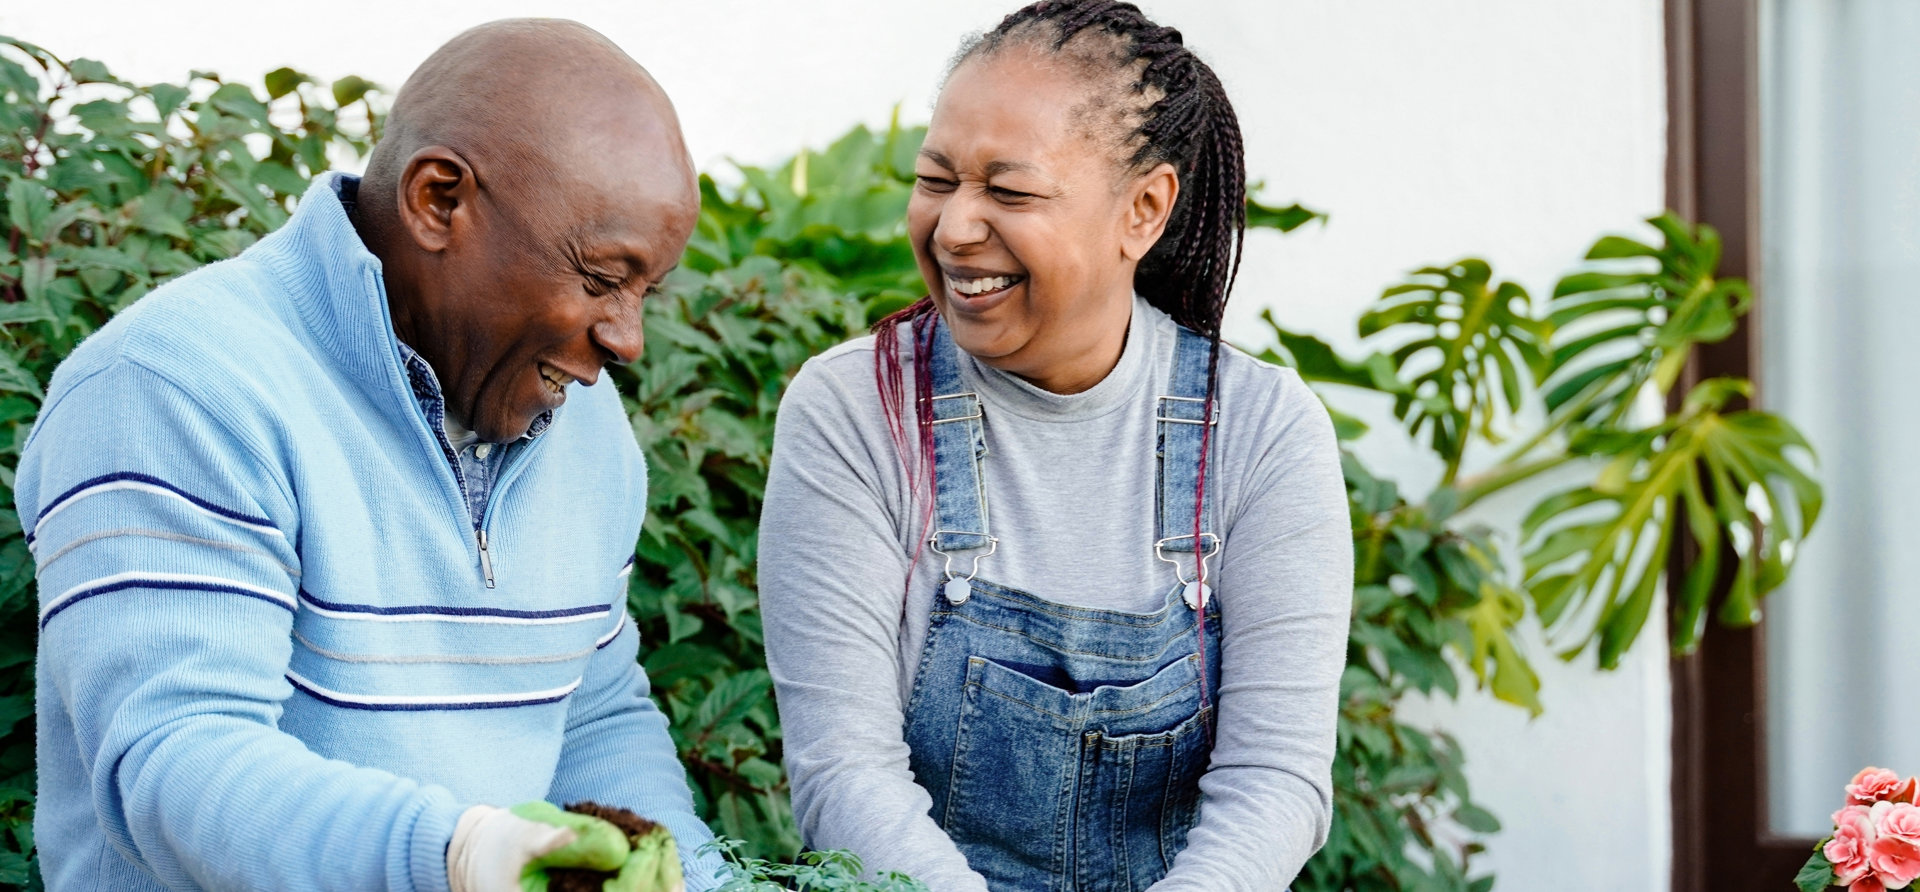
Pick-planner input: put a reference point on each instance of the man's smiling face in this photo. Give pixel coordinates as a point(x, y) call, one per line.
point(536, 221)
point(548, 288)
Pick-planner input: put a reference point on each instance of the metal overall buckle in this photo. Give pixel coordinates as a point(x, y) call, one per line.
point(1213, 420)
point(958, 589)
point(1193, 591)
point(976, 413)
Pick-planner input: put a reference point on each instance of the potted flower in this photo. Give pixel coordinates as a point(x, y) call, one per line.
point(1875, 845)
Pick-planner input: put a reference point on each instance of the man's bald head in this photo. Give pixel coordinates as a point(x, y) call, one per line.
point(522, 100)
point(531, 185)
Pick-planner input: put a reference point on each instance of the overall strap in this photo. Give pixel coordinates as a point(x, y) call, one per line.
point(1180, 428)
point(959, 444)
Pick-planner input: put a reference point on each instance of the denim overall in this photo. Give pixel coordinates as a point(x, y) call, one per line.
point(1063, 746)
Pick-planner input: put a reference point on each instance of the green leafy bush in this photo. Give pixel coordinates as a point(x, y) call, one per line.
point(108, 189)
point(790, 262)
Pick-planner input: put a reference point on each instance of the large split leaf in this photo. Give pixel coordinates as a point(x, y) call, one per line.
point(1596, 553)
point(1632, 317)
point(1467, 347)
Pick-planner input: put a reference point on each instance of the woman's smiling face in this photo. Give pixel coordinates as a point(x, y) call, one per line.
point(1026, 230)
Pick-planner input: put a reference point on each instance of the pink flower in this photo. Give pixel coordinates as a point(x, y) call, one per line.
point(1868, 883)
point(1873, 785)
point(1894, 851)
point(1851, 845)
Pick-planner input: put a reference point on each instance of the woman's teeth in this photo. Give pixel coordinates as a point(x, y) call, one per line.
point(980, 286)
point(555, 379)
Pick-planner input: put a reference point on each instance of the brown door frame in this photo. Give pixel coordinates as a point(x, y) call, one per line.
point(1721, 838)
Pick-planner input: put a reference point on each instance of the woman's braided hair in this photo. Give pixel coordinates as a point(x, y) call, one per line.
point(1172, 109)
point(1154, 102)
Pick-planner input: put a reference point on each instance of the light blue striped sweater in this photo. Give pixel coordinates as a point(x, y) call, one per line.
point(269, 658)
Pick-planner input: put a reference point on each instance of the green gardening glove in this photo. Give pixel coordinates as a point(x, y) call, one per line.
point(511, 850)
point(654, 866)
point(598, 845)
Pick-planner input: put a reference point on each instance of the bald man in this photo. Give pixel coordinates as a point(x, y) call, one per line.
point(333, 539)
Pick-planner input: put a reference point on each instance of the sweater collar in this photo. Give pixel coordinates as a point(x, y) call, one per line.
point(340, 293)
point(1120, 388)
point(335, 286)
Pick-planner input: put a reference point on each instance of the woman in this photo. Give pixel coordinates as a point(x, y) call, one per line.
point(1061, 697)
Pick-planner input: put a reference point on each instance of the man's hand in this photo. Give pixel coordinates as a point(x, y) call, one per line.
point(502, 850)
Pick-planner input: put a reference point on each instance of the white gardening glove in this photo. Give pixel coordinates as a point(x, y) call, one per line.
point(497, 850)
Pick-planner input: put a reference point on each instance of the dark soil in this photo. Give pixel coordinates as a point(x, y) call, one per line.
point(563, 879)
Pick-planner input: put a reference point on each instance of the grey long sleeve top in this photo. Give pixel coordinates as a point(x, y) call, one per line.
point(1070, 487)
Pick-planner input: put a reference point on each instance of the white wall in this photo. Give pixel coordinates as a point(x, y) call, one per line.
point(1430, 129)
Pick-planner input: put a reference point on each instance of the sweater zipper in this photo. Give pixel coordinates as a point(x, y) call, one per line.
point(516, 462)
point(452, 480)
point(486, 559)
point(449, 475)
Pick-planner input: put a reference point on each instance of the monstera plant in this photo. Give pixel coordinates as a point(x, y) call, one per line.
point(1579, 391)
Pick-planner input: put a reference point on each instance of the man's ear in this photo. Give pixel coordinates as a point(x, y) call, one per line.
point(437, 189)
point(1150, 204)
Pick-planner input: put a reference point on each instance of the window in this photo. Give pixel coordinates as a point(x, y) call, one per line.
point(1795, 130)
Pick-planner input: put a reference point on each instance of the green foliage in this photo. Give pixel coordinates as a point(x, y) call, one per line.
point(839, 214)
point(108, 189)
point(1656, 311)
point(836, 871)
point(1739, 475)
point(1588, 540)
point(1816, 875)
point(791, 262)
point(1403, 815)
point(1285, 219)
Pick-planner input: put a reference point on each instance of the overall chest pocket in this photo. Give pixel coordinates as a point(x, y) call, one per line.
point(1139, 795)
point(1066, 791)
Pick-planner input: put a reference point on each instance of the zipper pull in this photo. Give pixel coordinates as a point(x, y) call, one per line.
point(486, 560)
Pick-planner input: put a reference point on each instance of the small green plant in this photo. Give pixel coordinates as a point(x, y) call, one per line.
point(835, 871)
